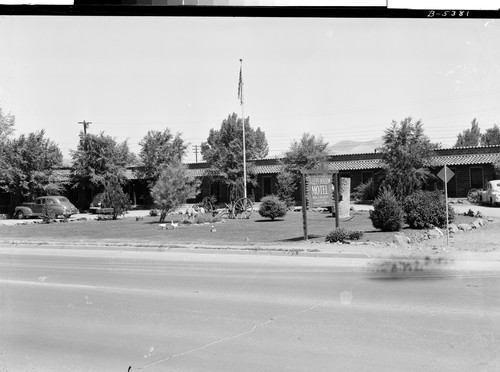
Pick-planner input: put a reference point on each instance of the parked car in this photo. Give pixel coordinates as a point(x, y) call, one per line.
point(57, 205)
point(491, 194)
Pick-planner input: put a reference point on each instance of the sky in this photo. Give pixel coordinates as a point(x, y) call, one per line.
point(339, 78)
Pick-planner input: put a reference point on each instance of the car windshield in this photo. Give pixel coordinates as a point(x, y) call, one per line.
point(63, 199)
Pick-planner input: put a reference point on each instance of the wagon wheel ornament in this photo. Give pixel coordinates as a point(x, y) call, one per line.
point(243, 208)
point(207, 205)
point(473, 196)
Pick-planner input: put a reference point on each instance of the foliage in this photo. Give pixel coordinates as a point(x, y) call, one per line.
point(272, 207)
point(7, 123)
point(28, 166)
point(387, 213)
point(406, 156)
point(173, 188)
point(223, 150)
point(365, 191)
point(98, 160)
point(491, 137)
point(153, 212)
point(343, 235)
point(158, 149)
point(114, 197)
point(469, 137)
point(310, 152)
point(426, 209)
point(201, 219)
point(48, 214)
point(286, 187)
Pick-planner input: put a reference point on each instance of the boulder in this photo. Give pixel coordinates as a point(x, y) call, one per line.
point(401, 239)
point(476, 224)
point(465, 227)
point(453, 228)
point(435, 233)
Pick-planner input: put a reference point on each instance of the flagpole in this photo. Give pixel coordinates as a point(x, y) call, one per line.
point(240, 94)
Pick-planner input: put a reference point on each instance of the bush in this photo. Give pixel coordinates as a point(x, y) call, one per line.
point(387, 214)
point(272, 207)
point(342, 235)
point(365, 191)
point(426, 209)
point(153, 212)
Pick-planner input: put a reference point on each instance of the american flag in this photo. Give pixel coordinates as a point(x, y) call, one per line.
point(240, 86)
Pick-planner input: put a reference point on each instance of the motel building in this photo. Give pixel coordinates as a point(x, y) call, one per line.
point(472, 168)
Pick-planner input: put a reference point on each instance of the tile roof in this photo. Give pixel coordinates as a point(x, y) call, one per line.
point(465, 159)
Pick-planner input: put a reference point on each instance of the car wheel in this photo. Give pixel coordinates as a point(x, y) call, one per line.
point(20, 215)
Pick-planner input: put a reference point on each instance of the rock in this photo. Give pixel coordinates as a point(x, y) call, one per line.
point(480, 221)
point(434, 233)
point(476, 225)
point(453, 228)
point(401, 239)
point(465, 227)
point(490, 219)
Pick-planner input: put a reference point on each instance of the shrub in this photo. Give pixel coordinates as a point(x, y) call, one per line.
point(285, 187)
point(426, 209)
point(272, 207)
point(342, 235)
point(387, 214)
point(153, 212)
point(365, 191)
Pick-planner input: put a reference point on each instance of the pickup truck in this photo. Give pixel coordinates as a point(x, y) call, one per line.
point(56, 205)
point(491, 194)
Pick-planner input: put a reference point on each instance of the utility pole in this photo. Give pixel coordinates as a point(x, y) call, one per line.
point(85, 125)
point(196, 152)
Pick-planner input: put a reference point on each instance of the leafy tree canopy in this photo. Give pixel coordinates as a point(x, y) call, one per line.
point(28, 166)
point(469, 137)
point(307, 153)
point(223, 150)
point(158, 149)
point(406, 155)
point(491, 137)
point(173, 188)
point(99, 158)
point(6, 125)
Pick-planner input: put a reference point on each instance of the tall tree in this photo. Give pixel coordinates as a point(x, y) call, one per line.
point(491, 136)
point(6, 125)
point(469, 137)
point(310, 152)
point(158, 149)
point(99, 159)
point(6, 129)
point(29, 162)
point(406, 155)
point(173, 188)
point(223, 150)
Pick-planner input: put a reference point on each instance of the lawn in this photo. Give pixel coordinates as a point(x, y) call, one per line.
point(252, 231)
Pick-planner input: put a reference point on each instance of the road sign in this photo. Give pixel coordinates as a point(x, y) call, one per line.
point(445, 174)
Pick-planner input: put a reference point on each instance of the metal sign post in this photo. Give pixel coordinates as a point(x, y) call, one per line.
point(446, 175)
point(317, 192)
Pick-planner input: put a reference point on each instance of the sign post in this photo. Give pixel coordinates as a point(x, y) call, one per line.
point(446, 175)
point(317, 192)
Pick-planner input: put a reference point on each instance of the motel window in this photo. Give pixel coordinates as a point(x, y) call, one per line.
point(476, 178)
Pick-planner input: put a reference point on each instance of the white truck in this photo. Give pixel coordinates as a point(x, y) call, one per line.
point(491, 194)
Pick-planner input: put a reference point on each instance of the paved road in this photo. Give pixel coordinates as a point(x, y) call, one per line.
point(74, 310)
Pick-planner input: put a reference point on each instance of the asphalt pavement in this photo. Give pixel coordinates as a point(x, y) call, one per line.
point(104, 310)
